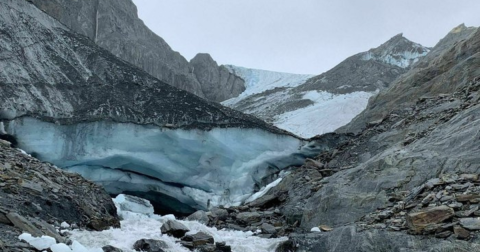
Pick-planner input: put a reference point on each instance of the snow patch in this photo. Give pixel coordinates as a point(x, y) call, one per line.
point(264, 190)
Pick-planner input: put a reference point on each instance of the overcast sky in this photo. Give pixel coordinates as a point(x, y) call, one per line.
point(299, 36)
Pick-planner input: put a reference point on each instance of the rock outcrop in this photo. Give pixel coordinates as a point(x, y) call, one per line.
point(115, 26)
point(218, 84)
point(369, 71)
point(36, 195)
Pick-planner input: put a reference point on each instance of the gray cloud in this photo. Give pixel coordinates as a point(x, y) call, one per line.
point(301, 36)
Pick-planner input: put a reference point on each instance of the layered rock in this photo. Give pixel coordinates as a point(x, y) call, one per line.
point(115, 26)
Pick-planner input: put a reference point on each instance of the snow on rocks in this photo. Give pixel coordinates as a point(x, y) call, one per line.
point(138, 226)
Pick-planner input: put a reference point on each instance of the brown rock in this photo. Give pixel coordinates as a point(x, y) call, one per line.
point(473, 198)
point(461, 233)
point(325, 228)
point(428, 218)
point(471, 177)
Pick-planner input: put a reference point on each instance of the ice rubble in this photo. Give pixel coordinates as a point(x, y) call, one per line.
point(198, 168)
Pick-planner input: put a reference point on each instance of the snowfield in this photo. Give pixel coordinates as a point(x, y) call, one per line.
point(326, 113)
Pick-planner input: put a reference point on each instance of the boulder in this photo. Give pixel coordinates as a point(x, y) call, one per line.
point(200, 216)
point(222, 247)
point(248, 217)
point(427, 218)
point(174, 228)
point(268, 229)
point(109, 248)
point(198, 239)
point(461, 233)
point(470, 223)
point(150, 245)
point(219, 213)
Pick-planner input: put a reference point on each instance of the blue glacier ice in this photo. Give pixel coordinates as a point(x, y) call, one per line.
point(198, 168)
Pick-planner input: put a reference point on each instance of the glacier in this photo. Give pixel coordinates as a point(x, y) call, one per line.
point(187, 168)
point(271, 96)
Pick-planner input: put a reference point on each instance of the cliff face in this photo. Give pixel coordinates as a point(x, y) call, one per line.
point(115, 26)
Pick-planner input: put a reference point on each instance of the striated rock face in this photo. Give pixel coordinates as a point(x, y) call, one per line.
point(115, 26)
point(218, 84)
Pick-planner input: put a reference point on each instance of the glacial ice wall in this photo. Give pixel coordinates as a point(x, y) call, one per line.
point(198, 168)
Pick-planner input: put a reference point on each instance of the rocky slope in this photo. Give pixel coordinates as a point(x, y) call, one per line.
point(64, 98)
point(432, 76)
point(313, 105)
point(373, 190)
point(115, 26)
point(34, 196)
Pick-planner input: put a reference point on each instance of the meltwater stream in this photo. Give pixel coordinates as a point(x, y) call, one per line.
point(143, 224)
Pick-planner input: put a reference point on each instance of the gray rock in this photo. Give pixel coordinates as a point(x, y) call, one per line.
point(348, 239)
point(174, 228)
point(218, 84)
point(470, 223)
point(200, 216)
point(247, 218)
point(150, 245)
point(219, 213)
point(268, 229)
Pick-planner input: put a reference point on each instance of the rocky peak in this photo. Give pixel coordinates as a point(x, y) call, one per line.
point(397, 51)
point(217, 82)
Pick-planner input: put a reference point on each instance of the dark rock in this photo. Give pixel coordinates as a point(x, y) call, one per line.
point(222, 247)
point(286, 246)
point(150, 245)
point(198, 239)
point(265, 201)
point(174, 228)
point(109, 248)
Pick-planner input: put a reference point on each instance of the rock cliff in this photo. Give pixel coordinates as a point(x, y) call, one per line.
point(115, 26)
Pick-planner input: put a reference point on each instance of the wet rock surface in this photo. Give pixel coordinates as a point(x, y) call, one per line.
point(35, 196)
